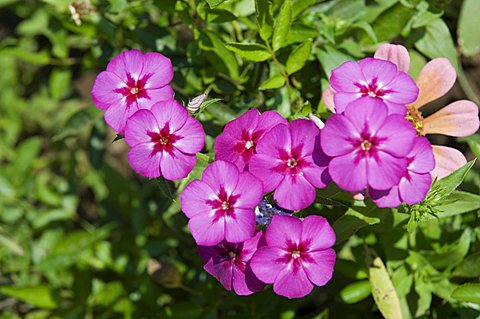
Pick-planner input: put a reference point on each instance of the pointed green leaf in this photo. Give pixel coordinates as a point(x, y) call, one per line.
point(264, 18)
point(468, 31)
point(298, 57)
point(214, 3)
point(282, 25)
point(467, 293)
point(40, 296)
point(250, 51)
point(451, 182)
point(458, 203)
point(274, 82)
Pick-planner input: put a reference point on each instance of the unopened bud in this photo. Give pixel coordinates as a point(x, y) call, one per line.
point(318, 122)
point(164, 273)
point(196, 102)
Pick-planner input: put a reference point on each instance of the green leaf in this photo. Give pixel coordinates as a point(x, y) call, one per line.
point(451, 182)
point(383, 290)
point(352, 221)
point(59, 83)
point(331, 58)
point(458, 203)
point(218, 55)
point(450, 255)
point(282, 25)
point(274, 82)
point(424, 298)
point(264, 18)
point(437, 42)
point(356, 291)
point(469, 267)
point(297, 59)
point(391, 22)
point(214, 3)
point(40, 296)
point(467, 293)
point(250, 51)
point(367, 28)
point(26, 153)
point(9, 243)
point(468, 31)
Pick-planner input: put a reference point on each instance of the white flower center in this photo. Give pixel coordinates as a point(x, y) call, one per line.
point(134, 91)
point(366, 145)
point(225, 205)
point(249, 145)
point(372, 94)
point(292, 162)
point(295, 254)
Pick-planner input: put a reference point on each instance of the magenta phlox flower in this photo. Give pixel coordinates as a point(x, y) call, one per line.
point(239, 139)
point(416, 182)
point(230, 264)
point(221, 205)
point(131, 82)
point(368, 146)
point(163, 141)
point(372, 79)
point(297, 255)
point(290, 161)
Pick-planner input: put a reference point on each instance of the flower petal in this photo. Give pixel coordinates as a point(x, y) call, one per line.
point(127, 64)
point(367, 113)
point(415, 187)
point(240, 226)
point(379, 71)
point(346, 77)
point(176, 165)
point(316, 171)
point(221, 174)
point(386, 198)
point(283, 231)
point(349, 172)
point(395, 108)
point(246, 122)
point(250, 191)
point(275, 141)
point(138, 126)
point(318, 233)
point(342, 100)
point(103, 90)
point(143, 161)
point(222, 270)
point(434, 81)
point(206, 230)
point(422, 153)
point(459, 118)
point(292, 284)
point(268, 120)
point(327, 97)
point(396, 54)
point(447, 160)
point(397, 136)
point(194, 198)
point(337, 134)
point(267, 263)
point(153, 96)
point(294, 193)
point(246, 283)
point(303, 133)
point(319, 266)
point(116, 116)
point(251, 245)
point(263, 168)
point(402, 89)
point(385, 171)
point(157, 69)
point(192, 137)
point(170, 112)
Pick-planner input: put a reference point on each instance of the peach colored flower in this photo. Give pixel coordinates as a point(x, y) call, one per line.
point(457, 119)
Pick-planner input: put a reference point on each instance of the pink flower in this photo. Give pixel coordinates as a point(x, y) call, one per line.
point(372, 79)
point(457, 119)
point(163, 141)
point(239, 139)
point(131, 82)
point(368, 146)
point(230, 264)
point(290, 161)
point(221, 205)
point(297, 256)
point(416, 182)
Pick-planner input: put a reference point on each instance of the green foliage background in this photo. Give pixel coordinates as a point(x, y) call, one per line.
point(82, 236)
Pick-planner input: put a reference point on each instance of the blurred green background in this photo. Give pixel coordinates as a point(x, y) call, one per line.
point(82, 236)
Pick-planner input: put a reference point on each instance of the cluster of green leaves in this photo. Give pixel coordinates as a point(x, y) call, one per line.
point(82, 237)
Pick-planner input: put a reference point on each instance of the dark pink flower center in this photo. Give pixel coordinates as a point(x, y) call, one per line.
point(223, 205)
point(372, 89)
point(291, 162)
point(367, 144)
point(163, 140)
point(134, 89)
point(247, 143)
point(232, 255)
point(296, 254)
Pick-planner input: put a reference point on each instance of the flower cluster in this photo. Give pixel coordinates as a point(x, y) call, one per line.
point(373, 144)
point(139, 104)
